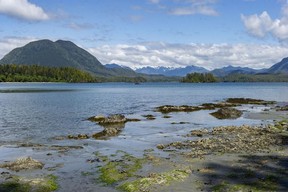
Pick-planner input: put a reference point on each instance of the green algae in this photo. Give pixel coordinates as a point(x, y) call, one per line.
point(119, 170)
point(267, 184)
point(21, 184)
point(145, 183)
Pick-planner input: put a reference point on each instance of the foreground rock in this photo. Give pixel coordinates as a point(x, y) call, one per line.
point(112, 119)
point(112, 124)
point(187, 108)
point(23, 164)
point(230, 139)
point(249, 101)
point(230, 102)
point(227, 113)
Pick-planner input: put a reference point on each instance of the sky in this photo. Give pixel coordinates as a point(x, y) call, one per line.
point(170, 33)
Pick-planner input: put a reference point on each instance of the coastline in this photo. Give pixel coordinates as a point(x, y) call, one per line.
point(219, 159)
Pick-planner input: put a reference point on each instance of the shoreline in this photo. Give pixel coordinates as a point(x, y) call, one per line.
point(226, 158)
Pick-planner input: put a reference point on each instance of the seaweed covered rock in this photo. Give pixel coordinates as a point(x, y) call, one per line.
point(109, 131)
point(249, 101)
point(23, 164)
point(112, 119)
point(227, 113)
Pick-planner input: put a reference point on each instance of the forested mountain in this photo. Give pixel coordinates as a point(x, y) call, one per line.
point(60, 54)
point(281, 67)
point(222, 72)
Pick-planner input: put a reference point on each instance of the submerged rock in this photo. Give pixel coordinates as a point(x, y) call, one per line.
point(227, 113)
point(23, 164)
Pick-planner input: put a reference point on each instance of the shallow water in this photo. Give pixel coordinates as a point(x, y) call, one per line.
point(38, 112)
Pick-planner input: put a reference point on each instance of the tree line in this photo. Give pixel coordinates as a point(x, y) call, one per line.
point(199, 78)
point(35, 73)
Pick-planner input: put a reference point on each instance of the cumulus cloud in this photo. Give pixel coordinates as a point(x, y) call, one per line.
point(209, 56)
point(263, 25)
point(23, 9)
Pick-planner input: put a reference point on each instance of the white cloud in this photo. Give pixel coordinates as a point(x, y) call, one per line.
point(23, 9)
point(9, 43)
point(262, 25)
point(209, 56)
point(203, 10)
point(187, 7)
point(79, 26)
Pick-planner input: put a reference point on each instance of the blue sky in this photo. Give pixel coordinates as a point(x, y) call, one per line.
point(137, 33)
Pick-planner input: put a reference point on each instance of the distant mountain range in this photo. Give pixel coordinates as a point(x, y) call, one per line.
point(169, 71)
point(278, 68)
point(66, 54)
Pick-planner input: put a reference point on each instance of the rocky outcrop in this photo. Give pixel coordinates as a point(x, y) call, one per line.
point(22, 164)
point(187, 108)
point(249, 101)
point(227, 113)
point(230, 139)
point(231, 102)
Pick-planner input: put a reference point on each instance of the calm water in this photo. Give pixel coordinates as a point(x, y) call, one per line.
point(38, 112)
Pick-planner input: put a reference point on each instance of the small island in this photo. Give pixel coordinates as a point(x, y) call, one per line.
point(199, 78)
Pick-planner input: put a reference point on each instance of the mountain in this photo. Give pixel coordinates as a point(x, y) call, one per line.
point(60, 54)
point(126, 71)
point(221, 72)
point(168, 71)
point(281, 67)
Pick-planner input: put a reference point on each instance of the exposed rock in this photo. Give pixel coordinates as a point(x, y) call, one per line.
point(22, 164)
point(109, 130)
point(79, 136)
point(113, 119)
point(96, 118)
point(249, 101)
point(227, 113)
point(198, 133)
point(149, 117)
point(283, 108)
point(187, 108)
point(229, 139)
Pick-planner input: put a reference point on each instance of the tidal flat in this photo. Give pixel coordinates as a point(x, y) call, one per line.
point(154, 151)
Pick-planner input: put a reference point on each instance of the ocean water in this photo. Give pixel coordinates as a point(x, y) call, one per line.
point(39, 111)
point(36, 113)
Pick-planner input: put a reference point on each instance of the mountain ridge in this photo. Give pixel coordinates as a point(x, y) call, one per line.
point(63, 53)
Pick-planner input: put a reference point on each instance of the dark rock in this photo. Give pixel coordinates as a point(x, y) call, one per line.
point(113, 119)
point(149, 117)
point(249, 101)
point(109, 131)
point(227, 113)
point(283, 108)
point(79, 136)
